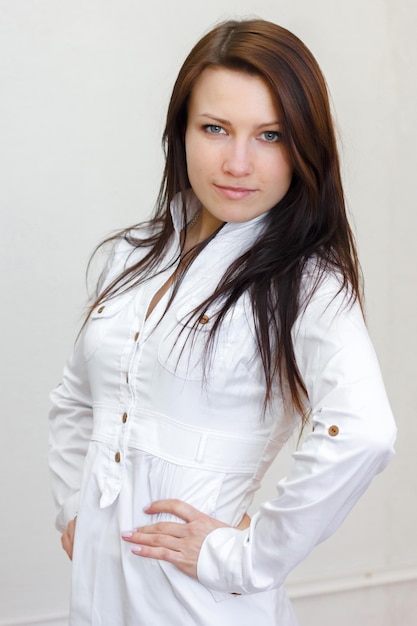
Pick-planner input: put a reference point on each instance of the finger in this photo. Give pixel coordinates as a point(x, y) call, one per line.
point(162, 542)
point(173, 552)
point(181, 509)
point(173, 529)
point(169, 529)
point(161, 553)
point(71, 529)
point(188, 566)
point(67, 544)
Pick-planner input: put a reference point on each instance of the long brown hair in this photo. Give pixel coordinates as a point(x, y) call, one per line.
point(309, 222)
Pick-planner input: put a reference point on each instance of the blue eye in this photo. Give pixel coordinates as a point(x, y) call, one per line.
point(214, 129)
point(271, 136)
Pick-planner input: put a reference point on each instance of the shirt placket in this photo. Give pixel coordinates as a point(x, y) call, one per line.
point(131, 359)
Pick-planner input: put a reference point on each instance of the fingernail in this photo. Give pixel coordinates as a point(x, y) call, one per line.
point(148, 506)
point(127, 534)
point(137, 550)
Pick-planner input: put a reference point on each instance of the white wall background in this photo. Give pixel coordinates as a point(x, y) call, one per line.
point(84, 85)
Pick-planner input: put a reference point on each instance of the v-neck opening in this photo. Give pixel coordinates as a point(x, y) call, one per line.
point(161, 302)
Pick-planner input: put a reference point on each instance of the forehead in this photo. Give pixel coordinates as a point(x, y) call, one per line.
point(222, 89)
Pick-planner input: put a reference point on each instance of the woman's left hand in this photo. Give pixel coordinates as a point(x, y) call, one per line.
point(174, 542)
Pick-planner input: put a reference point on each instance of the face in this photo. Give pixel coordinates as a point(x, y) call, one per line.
point(236, 160)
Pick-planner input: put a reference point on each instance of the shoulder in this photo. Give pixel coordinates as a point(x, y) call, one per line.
point(124, 250)
point(328, 307)
point(325, 287)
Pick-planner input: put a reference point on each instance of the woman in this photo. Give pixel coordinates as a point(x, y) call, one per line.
point(225, 323)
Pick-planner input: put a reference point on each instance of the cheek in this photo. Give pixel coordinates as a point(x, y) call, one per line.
point(287, 175)
point(200, 160)
point(192, 153)
point(285, 171)
point(279, 181)
point(287, 166)
point(192, 169)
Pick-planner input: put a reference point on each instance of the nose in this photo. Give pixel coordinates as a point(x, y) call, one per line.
point(238, 159)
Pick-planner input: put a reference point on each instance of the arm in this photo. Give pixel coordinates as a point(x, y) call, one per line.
point(333, 467)
point(71, 422)
point(69, 435)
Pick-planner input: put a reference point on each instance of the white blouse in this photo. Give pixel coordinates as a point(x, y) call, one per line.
point(137, 418)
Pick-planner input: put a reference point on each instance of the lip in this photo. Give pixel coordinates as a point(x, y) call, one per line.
point(234, 193)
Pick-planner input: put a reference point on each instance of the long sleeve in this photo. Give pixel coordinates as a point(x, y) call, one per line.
point(352, 438)
point(69, 435)
point(71, 416)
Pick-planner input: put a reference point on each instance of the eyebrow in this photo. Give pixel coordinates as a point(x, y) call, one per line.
point(224, 122)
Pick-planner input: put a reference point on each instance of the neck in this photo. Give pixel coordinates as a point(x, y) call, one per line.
point(200, 228)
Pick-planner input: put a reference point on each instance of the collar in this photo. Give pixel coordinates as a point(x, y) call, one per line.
point(192, 206)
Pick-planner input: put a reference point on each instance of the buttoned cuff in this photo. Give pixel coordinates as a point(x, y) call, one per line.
point(220, 562)
point(67, 512)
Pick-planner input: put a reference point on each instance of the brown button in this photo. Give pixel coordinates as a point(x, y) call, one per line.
point(124, 418)
point(137, 335)
point(204, 319)
point(127, 378)
point(117, 457)
point(333, 431)
point(101, 309)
